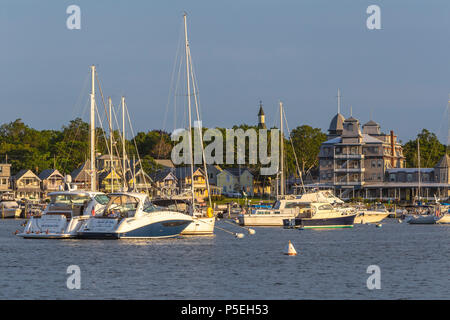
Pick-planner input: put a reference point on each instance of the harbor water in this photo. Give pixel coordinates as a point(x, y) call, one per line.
point(330, 264)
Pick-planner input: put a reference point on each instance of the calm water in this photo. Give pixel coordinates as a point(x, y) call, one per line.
point(331, 264)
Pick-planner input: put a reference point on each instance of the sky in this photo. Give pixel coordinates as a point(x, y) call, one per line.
point(299, 52)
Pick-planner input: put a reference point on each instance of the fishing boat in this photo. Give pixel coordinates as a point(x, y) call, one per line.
point(64, 215)
point(320, 215)
point(375, 214)
point(131, 215)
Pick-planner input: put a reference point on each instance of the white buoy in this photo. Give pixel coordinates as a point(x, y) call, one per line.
point(290, 250)
point(379, 225)
point(400, 221)
point(239, 235)
point(251, 231)
point(236, 220)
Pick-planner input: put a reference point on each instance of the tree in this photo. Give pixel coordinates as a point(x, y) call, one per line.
point(306, 141)
point(431, 150)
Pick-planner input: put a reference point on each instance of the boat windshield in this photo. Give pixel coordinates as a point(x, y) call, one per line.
point(150, 207)
point(326, 207)
point(122, 205)
point(102, 199)
point(68, 199)
point(276, 205)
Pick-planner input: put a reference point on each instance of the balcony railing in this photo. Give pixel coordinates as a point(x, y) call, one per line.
point(349, 156)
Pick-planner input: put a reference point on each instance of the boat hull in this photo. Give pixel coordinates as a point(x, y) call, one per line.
point(52, 227)
point(132, 228)
point(345, 221)
point(370, 217)
point(200, 226)
point(263, 219)
point(429, 219)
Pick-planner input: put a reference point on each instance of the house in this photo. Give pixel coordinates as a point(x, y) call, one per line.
point(81, 177)
point(213, 171)
point(236, 180)
point(5, 177)
point(51, 180)
point(110, 180)
point(26, 185)
point(139, 180)
point(165, 183)
point(184, 178)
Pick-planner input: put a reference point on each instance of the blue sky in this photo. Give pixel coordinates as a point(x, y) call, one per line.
point(299, 52)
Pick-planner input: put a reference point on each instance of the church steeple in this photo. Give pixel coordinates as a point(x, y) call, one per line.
point(261, 117)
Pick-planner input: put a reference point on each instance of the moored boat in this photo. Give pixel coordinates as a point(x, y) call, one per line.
point(321, 215)
point(64, 215)
point(130, 215)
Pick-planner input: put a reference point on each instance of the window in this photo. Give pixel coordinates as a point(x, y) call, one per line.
point(374, 165)
point(392, 177)
point(409, 177)
point(379, 163)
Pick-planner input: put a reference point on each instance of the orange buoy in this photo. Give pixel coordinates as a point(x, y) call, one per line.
point(290, 250)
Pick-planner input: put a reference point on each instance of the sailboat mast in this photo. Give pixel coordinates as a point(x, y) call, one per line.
point(282, 151)
point(111, 145)
point(92, 132)
point(418, 160)
point(123, 143)
point(189, 108)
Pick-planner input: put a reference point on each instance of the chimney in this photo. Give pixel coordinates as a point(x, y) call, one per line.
point(392, 149)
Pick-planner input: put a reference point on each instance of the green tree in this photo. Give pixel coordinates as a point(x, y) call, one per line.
point(431, 150)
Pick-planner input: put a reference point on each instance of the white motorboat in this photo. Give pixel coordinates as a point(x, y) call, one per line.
point(64, 215)
point(130, 215)
point(10, 209)
point(321, 215)
point(422, 219)
point(373, 215)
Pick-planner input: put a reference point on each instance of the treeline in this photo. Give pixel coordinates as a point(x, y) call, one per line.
point(66, 149)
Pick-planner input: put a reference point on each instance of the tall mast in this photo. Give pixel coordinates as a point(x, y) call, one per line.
point(123, 143)
point(92, 133)
point(111, 145)
point(282, 151)
point(189, 108)
point(418, 160)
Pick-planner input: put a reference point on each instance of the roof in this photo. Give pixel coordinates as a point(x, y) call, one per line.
point(49, 172)
point(351, 119)
point(185, 172)
point(337, 122)
point(371, 123)
point(444, 162)
point(261, 111)
point(22, 172)
point(75, 173)
point(140, 196)
point(237, 172)
point(160, 175)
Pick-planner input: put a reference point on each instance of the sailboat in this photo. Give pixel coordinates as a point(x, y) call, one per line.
point(429, 218)
point(203, 222)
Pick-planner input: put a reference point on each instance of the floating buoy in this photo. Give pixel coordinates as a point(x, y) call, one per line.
point(290, 250)
point(379, 225)
point(239, 235)
point(400, 221)
point(251, 231)
point(236, 220)
point(17, 231)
